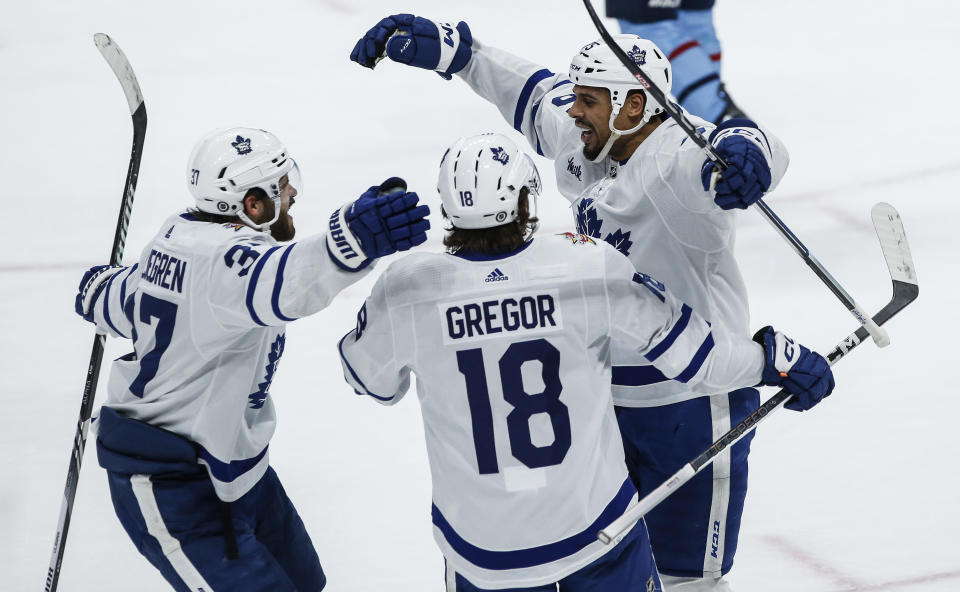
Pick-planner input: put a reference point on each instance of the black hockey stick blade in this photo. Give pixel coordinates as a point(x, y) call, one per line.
point(138, 112)
point(896, 253)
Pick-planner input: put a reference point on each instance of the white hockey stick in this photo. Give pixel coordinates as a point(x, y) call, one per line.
point(896, 252)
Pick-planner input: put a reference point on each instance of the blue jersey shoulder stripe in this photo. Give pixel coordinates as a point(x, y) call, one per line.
point(525, 93)
point(533, 126)
point(106, 305)
point(228, 471)
point(521, 558)
point(128, 312)
point(698, 359)
point(533, 115)
point(353, 373)
point(252, 286)
point(678, 328)
point(275, 298)
point(123, 284)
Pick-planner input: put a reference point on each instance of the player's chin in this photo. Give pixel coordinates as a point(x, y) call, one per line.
point(591, 144)
point(283, 230)
point(590, 152)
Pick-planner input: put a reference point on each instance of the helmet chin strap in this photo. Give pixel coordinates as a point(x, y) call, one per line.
point(615, 134)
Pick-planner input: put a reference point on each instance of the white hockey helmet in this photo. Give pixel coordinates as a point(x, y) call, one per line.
point(227, 163)
point(481, 178)
point(596, 65)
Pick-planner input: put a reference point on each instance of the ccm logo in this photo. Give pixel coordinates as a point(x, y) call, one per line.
point(715, 542)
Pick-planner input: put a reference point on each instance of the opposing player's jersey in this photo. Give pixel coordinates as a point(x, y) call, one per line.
point(205, 307)
point(652, 207)
point(512, 357)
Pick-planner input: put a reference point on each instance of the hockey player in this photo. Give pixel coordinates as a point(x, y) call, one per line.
point(185, 430)
point(510, 339)
point(684, 30)
point(638, 182)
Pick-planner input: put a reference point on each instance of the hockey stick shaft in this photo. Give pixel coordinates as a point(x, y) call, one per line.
point(138, 112)
point(896, 251)
point(879, 335)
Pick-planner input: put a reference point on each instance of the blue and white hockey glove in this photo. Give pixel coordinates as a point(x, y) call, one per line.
point(384, 220)
point(746, 150)
point(416, 41)
point(92, 283)
point(804, 373)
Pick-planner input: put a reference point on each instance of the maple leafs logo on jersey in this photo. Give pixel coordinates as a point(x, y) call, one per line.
point(589, 223)
point(620, 241)
point(639, 56)
point(258, 398)
point(500, 155)
point(242, 145)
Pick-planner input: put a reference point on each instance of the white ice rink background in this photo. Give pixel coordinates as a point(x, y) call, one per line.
point(860, 494)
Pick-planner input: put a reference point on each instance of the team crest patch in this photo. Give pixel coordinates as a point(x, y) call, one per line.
point(500, 155)
point(578, 239)
point(242, 145)
point(639, 56)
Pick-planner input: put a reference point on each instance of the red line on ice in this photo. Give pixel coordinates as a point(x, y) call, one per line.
point(905, 177)
point(845, 582)
point(815, 564)
point(28, 267)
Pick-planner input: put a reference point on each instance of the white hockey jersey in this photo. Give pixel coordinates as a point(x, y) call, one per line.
point(652, 207)
point(512, 357)
point(205, 307)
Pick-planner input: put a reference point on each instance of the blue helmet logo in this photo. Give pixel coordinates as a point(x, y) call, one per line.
point(242, 145)
point(500, 155)
point(639, 56)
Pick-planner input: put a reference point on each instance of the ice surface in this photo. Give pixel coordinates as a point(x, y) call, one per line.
point(859, 494)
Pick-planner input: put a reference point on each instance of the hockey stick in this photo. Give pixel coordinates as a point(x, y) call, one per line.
point(138, 111)
point(879, 335)
point(896, 252)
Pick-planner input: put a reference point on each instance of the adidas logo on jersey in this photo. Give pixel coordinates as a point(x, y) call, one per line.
point(495, 276)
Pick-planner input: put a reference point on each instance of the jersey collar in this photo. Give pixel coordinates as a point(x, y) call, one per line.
point(472, 256)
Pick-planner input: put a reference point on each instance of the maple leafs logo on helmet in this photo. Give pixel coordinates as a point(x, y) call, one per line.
point(639, 56)
point(500, 155)
point(242, 145)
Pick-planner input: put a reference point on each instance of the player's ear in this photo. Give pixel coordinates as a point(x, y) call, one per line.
point(255, 206)
point(252, 206)
point(635, 103)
